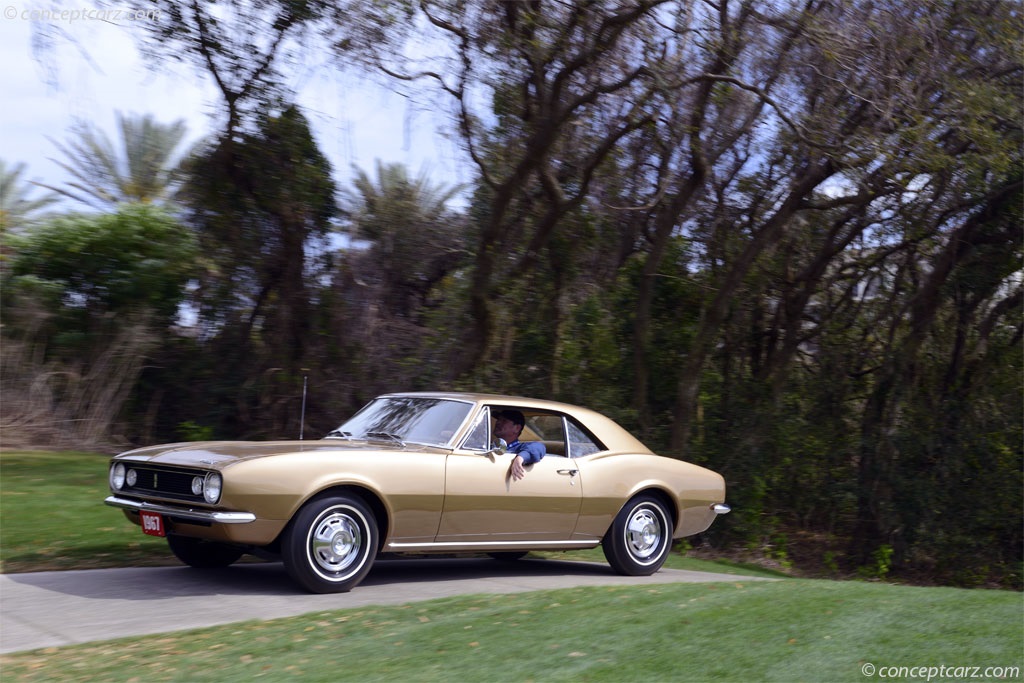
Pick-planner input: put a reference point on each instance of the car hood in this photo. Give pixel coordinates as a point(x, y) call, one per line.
point(220, 454)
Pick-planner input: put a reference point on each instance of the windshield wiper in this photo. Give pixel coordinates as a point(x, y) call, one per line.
point(385, 435)
point(338, 434)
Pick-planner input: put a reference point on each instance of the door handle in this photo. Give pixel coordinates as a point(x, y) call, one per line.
point(571, 473)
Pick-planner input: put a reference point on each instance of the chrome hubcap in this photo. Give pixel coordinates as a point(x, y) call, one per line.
point(335, 542)
point(643, 533)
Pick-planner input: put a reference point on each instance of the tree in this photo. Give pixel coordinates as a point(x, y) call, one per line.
point(563, 84)
point(146, 169)
point(416, 240)
point(239, 45)
point(257, 203)
point(262, 200)
point(262, 206)
point(830, 307)
point(846, 101)
point(97, 267)
point(87, 299)
point(17, 209)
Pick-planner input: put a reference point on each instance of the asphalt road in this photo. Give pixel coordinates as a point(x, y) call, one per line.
point(49, 609)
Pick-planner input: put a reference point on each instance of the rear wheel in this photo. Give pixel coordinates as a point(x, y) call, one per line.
point(203, 554)
point(330, 545)
point(640, 537)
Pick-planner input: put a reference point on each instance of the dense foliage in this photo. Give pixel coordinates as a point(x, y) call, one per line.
point(779, 239)
point(86, 297)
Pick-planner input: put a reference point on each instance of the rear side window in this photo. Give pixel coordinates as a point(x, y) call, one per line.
point(580, 441)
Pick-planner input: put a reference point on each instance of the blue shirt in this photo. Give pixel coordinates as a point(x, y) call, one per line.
point(531, 451)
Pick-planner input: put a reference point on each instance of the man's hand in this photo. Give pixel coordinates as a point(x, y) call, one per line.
point(517, 469)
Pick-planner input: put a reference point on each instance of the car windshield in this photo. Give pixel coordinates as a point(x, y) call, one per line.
point(406, 419)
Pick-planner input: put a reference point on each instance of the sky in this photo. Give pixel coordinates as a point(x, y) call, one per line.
point(355, 121)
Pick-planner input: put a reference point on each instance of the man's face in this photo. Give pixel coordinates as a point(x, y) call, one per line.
point(505, 428)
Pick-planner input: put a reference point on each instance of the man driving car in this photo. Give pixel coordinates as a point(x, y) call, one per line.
point(509, 425)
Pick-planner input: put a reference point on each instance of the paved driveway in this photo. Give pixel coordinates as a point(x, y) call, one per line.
point(64, 608)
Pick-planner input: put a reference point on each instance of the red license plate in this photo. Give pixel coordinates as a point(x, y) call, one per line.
point(152, 524)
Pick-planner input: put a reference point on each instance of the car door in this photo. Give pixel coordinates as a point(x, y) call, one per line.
point(483, 504)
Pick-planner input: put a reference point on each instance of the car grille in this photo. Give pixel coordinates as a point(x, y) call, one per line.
point(165, 482)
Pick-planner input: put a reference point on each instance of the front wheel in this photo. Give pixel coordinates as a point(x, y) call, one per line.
point(330, 545)
point(203, 554)
point(639, 539)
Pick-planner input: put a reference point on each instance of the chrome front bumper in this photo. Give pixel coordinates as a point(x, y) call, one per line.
point(188, 514)
point(721, 509)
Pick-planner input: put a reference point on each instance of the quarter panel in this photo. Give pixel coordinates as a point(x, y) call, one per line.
point(611, 479)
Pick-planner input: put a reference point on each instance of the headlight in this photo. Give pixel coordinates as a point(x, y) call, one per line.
point(211, 488)
point(117, 476)
point(132, 477)
point(197, 486)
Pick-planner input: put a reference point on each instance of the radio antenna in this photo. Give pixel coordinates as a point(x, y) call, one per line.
point(302, 417)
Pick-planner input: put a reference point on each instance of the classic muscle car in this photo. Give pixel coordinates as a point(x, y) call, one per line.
point(418, 473)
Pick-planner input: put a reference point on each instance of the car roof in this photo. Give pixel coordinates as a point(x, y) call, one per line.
point(614, 436)
point(477, 396)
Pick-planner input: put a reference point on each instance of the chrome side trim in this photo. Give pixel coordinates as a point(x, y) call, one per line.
point(721, 509)
point(484, 545)
point(209, 516)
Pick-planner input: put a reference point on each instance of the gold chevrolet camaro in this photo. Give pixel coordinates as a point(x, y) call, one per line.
point(419, 473)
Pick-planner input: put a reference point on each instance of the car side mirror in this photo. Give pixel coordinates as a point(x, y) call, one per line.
point(499, 449)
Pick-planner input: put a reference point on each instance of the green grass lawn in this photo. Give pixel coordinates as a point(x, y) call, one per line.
point(739, 630)
point(743, 631)
point(52, 516)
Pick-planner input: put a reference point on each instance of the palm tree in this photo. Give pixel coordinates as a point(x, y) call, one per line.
point(147, 169)
point(416, 240)
point(17, 209)
point(395, 201)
